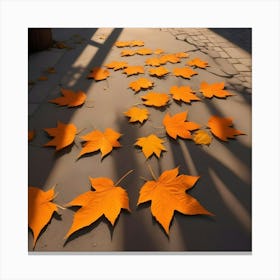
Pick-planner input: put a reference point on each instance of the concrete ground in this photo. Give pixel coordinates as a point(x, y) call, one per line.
point(224, 187)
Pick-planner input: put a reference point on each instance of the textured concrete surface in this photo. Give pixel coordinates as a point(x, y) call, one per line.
point(224, 187)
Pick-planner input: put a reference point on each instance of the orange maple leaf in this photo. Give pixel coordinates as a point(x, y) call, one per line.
point(133, 70)
point(216, 89)
point(222, 128)
point(144, 51)
point(97, 140)
point(158, 71)
point(136, 43)
point(40, 210)
point(158, 51)
point(116, 65)
point(185, 72)
point(64, 135)
point(121, 44)
point(198, 63)
point(137, 114)
point(70, 98)
point(141, 83)
point(182, 54)
point(150, 145)
point(128, 53)
point(31, 135)
point(178, 126)
point(172, 58)
point(201, 137)
point(99, 74)
point(183, 93)
point(108, 199)
point(168, 194)
point(155, 99)
point(153, 61)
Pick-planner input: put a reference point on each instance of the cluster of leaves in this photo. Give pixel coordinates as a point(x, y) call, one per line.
point(166, 193)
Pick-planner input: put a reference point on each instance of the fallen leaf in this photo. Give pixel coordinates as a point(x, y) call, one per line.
point(178, 126)
point(40, 210)
point(97, 140)
point(121, 44)
point(155, 99)
point(144, 51)
point(201, 137)
point(168, 194)
point(98, 74)
point(154, 61)
point(150, 145)
point(216, 89)
point(133, 70)
point(128, 53)
point(182, 54)
point(31, 135)
point(107, 199)
point(60, 45)
point(43, 78)
point(51, 70)
point(172, 58)
point(136, 43)
point(158, 51)
point(158, 71)
point(222, 128)
point(141, 83)
point(116, 65)
point(184, 72)
point(137, 114)
point(198, 63)
point(70, 98)
point(183, 93)
point(64, 135)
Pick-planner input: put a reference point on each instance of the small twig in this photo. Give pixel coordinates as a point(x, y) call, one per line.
point(143, 178)
point(152, 172)
point(82, 129)
point(125, 175)
point(60, 207)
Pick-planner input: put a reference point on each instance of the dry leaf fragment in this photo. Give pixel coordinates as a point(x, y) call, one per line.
point(178, 126)
point(116, 65)
point(150, 145)
point(154, 61)
point(168, 194)
point(158, 71)
point(97, 140)
point(31, 135)
point(64, 135)
point(51, 70)
point(144, 51)
point(107, 199)
point(201, 137)
point(216, 89)
point(158, 51)
point(222, 128)
point(43, 78)
point(121, 44)
point(185, 72)
point(136, 43)
point(133, 70)
point(128, 53)
point(141, 83)
point(155, 99)
point(98, 74)
point(137, 114)
point(172, 58)
point(198, 63)
point(40, 210)
point(60, 45)
point(183, 93)
point(182, 54)
point(70, 98)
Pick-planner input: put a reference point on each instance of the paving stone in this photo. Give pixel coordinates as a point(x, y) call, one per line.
point(32, 107)
point(210, 44)
point(246, 61)
point(247, 85)
point(226, 66)
point(247, 74)
point(241, 68)
point(236, 53)
point(248, 79)
point(201, 37)
point(218, 49)
point(233, 60)
point(213, 54)
point(223, 54)
point(181, 37)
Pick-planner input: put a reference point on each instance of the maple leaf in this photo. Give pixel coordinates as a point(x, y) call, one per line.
point(121, 44)
point(70, 98)
point(64, 135)
point(155, 99)
point(51, 70)
point(198, 63)
point(43, 78)
point(172, 58)
point(183, 93)
point(168, 194)
point(182, 54)
point(201, 137)
point(60, 45)
point(136, 43)
point(98, 74)
point(40, 210)
point(222, 128)
point(141, 83)
point(185, 72)
point(116, 65)
point(31, 135)
point(150, 145)
point(159, 71)
point(137, 114)
point(132, 70)
point(178, 126)
point(154, 61)
point(108, 199)
point(158, 51)
point(128, 53)
point(144, 51)
point(97, 140)
point(216, 89)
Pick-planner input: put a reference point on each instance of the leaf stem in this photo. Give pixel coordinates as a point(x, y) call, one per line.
point(125, 175)
point(60, 207)
point(152, 172)
point(82, 129)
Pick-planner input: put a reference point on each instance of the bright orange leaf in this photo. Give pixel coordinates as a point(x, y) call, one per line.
point(121, 44)
point(198, 63)
point(70, 98)
point(99, 74)
point(141, 83)
point(51, 70)
point(117, 65)
point(202, 137)
point(172, 58)
point(150, 145)
point(158, 51)
point(155, 99)
point(133, 70)
point(216, 89)
point(168, 194)
point(222, 128)
point(128, 53)
point(107, 199)
point(40, 210)
point(64, 135)
point(158, 71)
point(136, 43)
point(97, 140)
point(185, 72)
point(144, 51)
point(178, 126)
point(43, 78)
point(137, 114)
point(182, 54)
point(31, 135)
point(183, 93)
point(154, 61)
